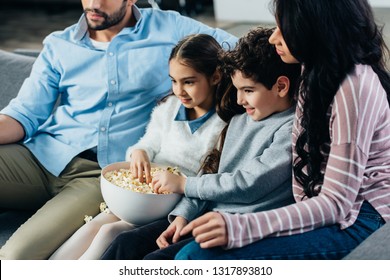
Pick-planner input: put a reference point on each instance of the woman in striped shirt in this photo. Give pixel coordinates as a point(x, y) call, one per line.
point(341, 143)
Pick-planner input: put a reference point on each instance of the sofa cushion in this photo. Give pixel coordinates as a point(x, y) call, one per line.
point(375, 247)
point(14, 69)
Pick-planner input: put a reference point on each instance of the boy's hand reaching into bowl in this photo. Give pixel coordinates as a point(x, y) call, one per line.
point(167, 182)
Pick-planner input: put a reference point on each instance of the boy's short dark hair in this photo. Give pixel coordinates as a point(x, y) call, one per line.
point(257, 59)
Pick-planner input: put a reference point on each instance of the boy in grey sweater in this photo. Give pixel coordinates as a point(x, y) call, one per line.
point(253, 161)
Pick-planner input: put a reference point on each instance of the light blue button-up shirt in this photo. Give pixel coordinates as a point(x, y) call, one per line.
point(106, 96)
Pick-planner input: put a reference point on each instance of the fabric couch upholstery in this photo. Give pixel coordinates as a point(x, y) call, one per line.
point(375, 247)
point(14, 69)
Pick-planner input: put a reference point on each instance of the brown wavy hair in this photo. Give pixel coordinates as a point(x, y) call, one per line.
point(256, 59)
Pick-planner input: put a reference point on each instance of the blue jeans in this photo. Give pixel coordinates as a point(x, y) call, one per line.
point(328, 242)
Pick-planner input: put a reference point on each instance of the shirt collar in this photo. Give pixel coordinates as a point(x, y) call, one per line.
point(82, 28)
point(194, 125)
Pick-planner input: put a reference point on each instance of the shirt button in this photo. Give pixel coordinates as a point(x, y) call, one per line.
point(113, 82)
point(109, 104)
point(111, 54)
point(102, 129)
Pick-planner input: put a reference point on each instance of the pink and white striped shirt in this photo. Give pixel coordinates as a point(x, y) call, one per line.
point(357, 168)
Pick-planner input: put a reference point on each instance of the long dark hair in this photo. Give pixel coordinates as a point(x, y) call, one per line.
point(329, 37)
point(256, 59)
point(199, 52)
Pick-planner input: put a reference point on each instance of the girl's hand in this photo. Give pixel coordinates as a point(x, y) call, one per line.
point(172, 233)
point(167, 182)
point(209, 230)
point(140, 165)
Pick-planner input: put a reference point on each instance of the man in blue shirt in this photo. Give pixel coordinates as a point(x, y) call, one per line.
point(107, 72)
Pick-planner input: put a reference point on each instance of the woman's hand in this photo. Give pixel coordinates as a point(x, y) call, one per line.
point(209, 230)
point(172, 233)
point(167, 182)
point(140, 165)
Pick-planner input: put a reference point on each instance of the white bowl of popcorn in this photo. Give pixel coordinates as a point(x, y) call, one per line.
point(132, 201)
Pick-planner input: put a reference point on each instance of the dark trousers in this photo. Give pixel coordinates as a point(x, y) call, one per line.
point(140, 243)
point(324, 243)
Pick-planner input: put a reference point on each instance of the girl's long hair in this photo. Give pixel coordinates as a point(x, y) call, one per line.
point(329, 37)
point(201, 52)
point(198, 51)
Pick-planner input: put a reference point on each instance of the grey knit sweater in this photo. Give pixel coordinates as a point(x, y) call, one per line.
point(254, 172)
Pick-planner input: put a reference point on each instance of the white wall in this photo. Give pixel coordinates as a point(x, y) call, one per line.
point(243, 11)
point(380, 3)
point(257, 10)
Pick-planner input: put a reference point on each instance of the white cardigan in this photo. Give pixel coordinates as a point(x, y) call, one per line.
point(171, 142)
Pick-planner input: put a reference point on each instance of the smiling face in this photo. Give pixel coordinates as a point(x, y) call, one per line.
point(103, 14)
point(195, 90)
point(281, 47)
point(259, 101)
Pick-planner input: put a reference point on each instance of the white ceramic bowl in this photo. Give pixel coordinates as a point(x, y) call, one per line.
point(134, 207)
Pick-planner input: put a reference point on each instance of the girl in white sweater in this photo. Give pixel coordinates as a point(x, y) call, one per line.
point(182, 130)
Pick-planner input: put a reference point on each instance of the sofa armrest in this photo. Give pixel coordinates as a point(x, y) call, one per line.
point(28, 52)
point(375, 247)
